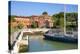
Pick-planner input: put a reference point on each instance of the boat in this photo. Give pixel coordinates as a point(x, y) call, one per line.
point(60, 37)
point(63, 36)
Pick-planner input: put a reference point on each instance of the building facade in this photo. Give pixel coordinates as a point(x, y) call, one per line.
point(42, 21)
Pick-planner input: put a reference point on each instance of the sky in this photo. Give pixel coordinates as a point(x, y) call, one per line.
point(20, 8)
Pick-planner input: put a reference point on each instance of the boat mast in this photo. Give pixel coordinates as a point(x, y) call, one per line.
point(64, 19)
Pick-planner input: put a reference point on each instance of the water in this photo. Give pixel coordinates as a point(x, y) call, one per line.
point(37, 43)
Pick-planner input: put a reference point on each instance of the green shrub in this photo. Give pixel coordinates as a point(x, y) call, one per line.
point(23, 48)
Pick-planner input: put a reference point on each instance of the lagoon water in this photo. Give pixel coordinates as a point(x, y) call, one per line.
point(37, 44)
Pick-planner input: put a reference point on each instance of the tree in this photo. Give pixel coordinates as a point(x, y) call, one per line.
point(20, 26)
point(34, 25)
point(72, 18)
point(58, 19)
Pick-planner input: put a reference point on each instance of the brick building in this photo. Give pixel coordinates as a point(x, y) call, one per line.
point(42, 21)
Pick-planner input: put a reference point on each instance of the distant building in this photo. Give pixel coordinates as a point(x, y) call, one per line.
point(42, 21)
point(26, 21)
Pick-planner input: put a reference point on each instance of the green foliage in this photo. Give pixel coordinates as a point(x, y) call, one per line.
point(20, 26)
point(58, 19)
point(34, 25)
point(72, 20)
point(70, 17)
point(23, 48)
point(62, 22)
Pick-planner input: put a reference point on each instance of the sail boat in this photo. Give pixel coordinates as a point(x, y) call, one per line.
point(50, 35)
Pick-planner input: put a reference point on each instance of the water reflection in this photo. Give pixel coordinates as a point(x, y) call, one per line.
point(37, 43)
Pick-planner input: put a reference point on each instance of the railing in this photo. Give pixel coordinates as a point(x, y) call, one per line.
point(16, 43)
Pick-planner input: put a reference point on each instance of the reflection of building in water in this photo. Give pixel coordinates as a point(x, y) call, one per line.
point(41, 21)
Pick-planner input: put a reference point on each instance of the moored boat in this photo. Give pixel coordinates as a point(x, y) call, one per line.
point(61, 37)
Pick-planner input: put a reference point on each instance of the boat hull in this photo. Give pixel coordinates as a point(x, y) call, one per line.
point(62, 39)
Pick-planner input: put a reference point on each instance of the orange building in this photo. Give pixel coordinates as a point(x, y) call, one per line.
point(42, 20)
point(25, 21)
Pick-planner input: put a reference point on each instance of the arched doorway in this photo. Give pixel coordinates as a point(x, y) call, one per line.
point(36, 23)
point(47, 24)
